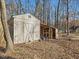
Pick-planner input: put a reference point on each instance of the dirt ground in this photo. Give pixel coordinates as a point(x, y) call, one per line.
point(50, 49)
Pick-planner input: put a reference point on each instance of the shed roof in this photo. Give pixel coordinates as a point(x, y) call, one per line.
point(24, 16)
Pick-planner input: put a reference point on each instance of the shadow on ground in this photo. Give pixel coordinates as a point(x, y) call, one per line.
point(6, 57)
point(2, 49)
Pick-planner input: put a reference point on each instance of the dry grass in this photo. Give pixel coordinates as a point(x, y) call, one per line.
point(41, 50)
point(52, 49)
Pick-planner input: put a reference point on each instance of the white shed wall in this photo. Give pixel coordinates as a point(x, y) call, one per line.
point(26, 29)
point(18, 32)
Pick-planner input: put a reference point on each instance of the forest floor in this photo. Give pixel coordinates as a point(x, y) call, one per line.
point(49, 49)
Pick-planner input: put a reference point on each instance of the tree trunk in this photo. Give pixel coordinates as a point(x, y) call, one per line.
point(9, 43)
point(57, 13)
point(67, 18)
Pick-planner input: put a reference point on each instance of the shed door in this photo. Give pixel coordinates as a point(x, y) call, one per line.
point(28, 32)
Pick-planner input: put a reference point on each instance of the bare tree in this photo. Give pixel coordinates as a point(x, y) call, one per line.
point(57, 13)
point(67, 17)
point(46, 11)
point(9, 44)
point(39, 10)
point(66, 4)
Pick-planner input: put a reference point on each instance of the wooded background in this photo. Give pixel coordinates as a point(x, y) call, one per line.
point(57, 13)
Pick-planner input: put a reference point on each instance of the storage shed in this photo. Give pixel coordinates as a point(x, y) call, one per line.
point(25, 28)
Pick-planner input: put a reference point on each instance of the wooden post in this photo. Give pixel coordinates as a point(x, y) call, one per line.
point(43, 31)
point(49, 33)
point(56, 33)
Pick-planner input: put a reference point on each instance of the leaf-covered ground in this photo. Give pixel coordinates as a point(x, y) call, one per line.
point(52, 49)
